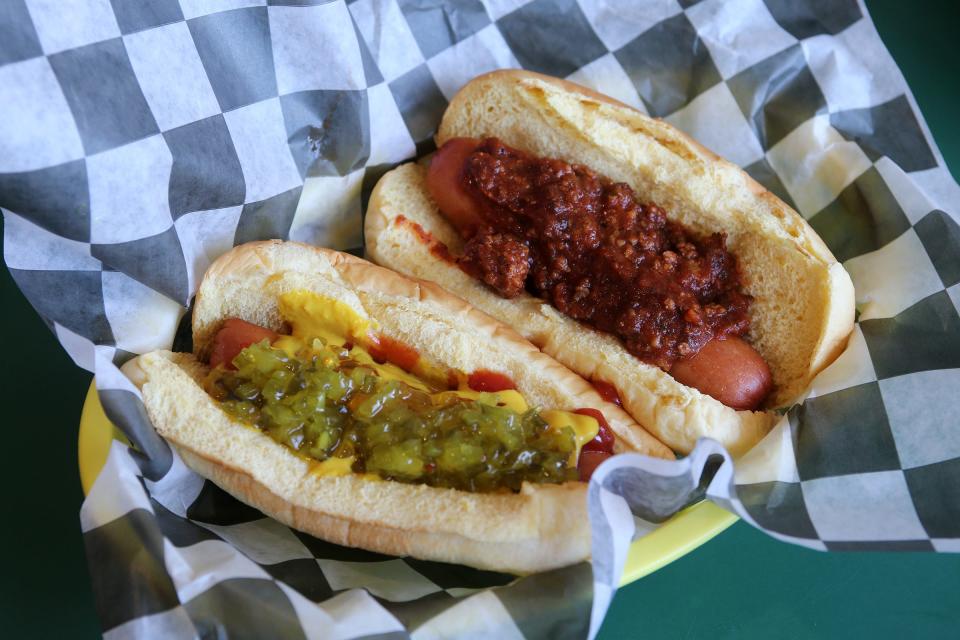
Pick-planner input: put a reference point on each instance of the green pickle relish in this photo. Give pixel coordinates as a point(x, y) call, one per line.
point(324, 403)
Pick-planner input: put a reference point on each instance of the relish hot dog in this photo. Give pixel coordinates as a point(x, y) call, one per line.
point(380, 412)
point(670, 274)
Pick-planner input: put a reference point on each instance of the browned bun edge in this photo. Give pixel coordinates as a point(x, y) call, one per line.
point(803, 299)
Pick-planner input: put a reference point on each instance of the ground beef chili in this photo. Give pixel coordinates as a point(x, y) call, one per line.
point(584, 243)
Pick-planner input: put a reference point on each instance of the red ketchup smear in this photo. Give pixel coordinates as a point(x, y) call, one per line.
point(437, 248)
point(386, 349)
point(593, 453)
point(489, 381)
point(607, 391)
point(235, 336)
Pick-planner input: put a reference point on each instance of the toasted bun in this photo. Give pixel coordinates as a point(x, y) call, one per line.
point(539, 528)
point(803, 299)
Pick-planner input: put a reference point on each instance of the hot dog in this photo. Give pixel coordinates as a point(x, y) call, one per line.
point(380, 412)
point(729, 370)
point(725, 367)
point(790, 310)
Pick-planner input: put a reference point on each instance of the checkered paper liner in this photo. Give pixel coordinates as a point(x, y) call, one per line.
point(140, 140)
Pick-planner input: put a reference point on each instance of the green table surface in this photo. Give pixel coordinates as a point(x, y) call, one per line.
point(740, 585)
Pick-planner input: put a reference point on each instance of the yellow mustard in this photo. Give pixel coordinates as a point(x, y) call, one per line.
point(312, 315)
point(332, 467)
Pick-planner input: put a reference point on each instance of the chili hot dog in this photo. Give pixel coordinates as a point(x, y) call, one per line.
point(587, 246)
point(751, 303)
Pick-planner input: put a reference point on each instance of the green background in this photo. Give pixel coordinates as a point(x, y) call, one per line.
point(741, 584)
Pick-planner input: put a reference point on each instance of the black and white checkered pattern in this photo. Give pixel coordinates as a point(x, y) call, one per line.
point(140, 140)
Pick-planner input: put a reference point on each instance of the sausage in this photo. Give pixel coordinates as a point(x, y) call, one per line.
point(445, 184)
point(235, 336)
point(730, 370)
point(589, 461)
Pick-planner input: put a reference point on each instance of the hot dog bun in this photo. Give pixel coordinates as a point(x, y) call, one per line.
point(803, 305)
point(541, 527)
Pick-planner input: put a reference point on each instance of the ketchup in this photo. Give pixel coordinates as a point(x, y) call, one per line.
point(593, 453)
point(386, 349)
point(437, 248)
point(489, 381)
point(603, 441)
point(607, 391)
